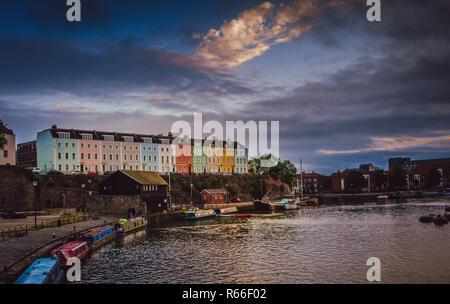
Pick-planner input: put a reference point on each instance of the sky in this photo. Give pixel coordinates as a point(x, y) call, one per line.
point(344, 90)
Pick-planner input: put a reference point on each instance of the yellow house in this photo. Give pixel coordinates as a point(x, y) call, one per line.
point(227, 160)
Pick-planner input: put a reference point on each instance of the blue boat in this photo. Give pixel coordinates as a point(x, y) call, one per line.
point(99, 236)
point(42, 271)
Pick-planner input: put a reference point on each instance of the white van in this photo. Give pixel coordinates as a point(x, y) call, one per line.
point(35, 170)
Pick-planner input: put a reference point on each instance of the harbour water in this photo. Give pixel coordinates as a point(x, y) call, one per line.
point(311, 245)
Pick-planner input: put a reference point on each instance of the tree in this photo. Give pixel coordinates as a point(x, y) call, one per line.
point(397, 178)
point(356, 181)
point(433, 178)
point(3, 130)
point(380, 180)
point(284, 171)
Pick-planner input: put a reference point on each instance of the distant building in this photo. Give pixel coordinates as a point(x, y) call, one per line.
point(368, 167)
point(8, 153)
point(314, 183)
point(215, 196)
point(339, 180)
point(72, 150)
point(149, 185)
point(417, 170)
point(27, 154)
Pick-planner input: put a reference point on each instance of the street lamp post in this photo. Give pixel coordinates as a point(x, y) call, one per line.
point(35, 183)
point(170, 193)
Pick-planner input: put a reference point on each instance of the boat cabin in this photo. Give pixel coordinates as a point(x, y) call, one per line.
point(72, 249)
point(42, 271)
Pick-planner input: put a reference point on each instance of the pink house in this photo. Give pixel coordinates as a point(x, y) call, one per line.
point(8, 153)
point(89, 154)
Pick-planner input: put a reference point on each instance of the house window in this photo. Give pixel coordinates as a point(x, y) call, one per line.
point(73, 145)
point(82, 145)
point(67, 167)
point(5, 154)
point(124, 157)
point(104, 156)
point(67, 155)
point(59, 155)
point(82, 155)
point(108, 137)
point(59, 145)
point(89, 146)
point(117, 156)
point(137, 157)
point(86, 136)
point(66, 145)
point(89, 155)
point(95, 156)
point(63, 135)
point(59, 168)
point(127, 138)
point(73, 156)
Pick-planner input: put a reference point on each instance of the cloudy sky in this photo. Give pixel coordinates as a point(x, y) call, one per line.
point(345, 91)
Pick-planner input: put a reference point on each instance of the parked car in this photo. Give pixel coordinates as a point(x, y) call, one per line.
point(54, 172)
point(236, 200)
point(109, 172)
point(92, 173)
point(14, 215)
point(35, 170)
point(76, 172)
point(247, 174)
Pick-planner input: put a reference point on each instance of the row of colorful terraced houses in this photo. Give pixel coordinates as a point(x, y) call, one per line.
point(70, 150)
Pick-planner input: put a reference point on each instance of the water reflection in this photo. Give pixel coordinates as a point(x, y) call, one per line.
point(311, 245)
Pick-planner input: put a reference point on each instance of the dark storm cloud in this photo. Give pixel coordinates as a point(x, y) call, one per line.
point(40, 64)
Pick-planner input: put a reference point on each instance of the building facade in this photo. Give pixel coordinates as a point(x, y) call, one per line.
point(183, 159)
point(70, 150)
point(27, 154)
point(8, 153)
point(240, 159)
point(199, 158)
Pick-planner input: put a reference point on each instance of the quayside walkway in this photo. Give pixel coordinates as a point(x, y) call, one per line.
point(15, 248)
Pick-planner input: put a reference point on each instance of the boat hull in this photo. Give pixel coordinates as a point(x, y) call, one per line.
point(261, 206)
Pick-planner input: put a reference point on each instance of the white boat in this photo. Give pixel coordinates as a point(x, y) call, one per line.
point(289, 203)
point(226, 211)
point(199, 213)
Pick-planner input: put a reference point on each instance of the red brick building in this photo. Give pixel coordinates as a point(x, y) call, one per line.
point(314, 183)
point(418, 170)
point(214, 196)
point(339, 180)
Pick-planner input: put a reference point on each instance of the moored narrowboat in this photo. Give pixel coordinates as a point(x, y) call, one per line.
point(42, 271)
point(78, 249)
point(99, 236)
point(124, 226)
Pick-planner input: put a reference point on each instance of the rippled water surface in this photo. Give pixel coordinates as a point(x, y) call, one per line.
point(321, 245)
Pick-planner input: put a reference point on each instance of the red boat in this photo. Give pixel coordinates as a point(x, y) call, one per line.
point(243, 215)
point(72, 249)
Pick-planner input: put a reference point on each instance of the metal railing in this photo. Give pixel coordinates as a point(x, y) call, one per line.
point(22, 230)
